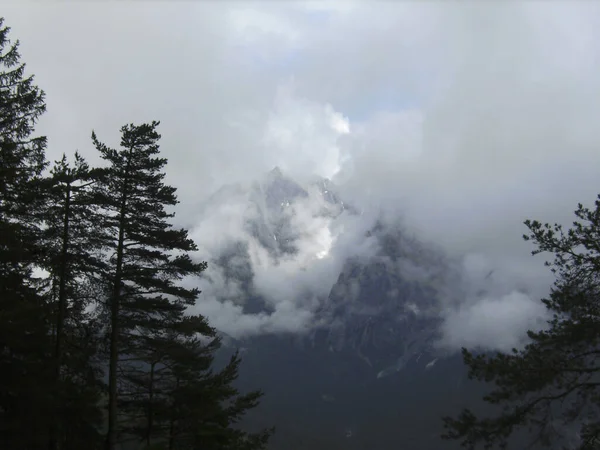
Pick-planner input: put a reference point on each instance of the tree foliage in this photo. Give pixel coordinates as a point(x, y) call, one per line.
point(72, 258)
point(95, 286)
point(149, 327)
point(25, 343)
point(147, 255)
point(551, 388)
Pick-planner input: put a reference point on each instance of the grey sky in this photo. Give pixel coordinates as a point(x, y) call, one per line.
point(466, 117)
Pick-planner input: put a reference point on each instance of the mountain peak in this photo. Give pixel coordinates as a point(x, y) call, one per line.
point(276, 172)
point(279, 190)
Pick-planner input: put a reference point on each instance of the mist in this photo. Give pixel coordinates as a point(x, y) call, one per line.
point(458, 120)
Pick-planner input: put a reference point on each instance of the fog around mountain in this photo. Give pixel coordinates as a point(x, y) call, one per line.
point(460, 120)
point(356, 174)
point(290, 245)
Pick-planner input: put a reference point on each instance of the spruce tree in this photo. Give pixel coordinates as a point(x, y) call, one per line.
point(147, 255)
point(551, 388)
point(25, 341)
point(114, 263)
point(161, 386)
point(147, 384)
point(73, 243)
point(204, 408)
point(182, 402)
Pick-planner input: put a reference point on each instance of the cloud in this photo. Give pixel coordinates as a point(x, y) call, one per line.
point(304, 135)
point(494, 304)
point(495, 323)
point(464, 118)
point(244, 261)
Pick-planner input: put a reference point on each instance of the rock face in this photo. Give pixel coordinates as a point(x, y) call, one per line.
point(381, 313)
point(367, 374)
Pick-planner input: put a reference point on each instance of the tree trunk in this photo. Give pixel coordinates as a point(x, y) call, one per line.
point(150, 423)
point(172, 423)
point(60, 318)
point(111, 436)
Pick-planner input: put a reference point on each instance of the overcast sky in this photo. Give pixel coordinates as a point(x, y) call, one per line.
point(466, 117)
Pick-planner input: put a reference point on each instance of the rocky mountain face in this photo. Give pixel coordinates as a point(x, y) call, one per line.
point(380, 310)
point(367, 373)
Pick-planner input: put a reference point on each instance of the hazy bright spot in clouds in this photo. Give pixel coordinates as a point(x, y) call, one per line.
point(465, 117)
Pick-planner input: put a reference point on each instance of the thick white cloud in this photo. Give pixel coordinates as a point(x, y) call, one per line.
point(465, 117)
point(293, 285)
point(303, 135)
point(495, 323)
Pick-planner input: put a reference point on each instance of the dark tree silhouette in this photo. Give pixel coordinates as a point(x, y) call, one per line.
point(25, 340)
point(551, 388)
point(92, 275)
point(73, 259)
point(147, 302)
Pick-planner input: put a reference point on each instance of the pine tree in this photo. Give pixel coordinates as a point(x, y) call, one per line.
point(73, 260)
point(161, 386)
point(184, 403)
point(148, 255)
point(204, 408)
point(25, 342)
point(551, 387)
point(114, 263)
